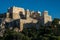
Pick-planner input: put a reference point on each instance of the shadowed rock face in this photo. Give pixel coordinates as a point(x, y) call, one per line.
point(3, 15)
point(14, 23)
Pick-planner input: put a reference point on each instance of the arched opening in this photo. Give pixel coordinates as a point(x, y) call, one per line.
point(21, 15)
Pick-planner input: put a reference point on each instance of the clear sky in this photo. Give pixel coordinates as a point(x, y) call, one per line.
point(53, 6)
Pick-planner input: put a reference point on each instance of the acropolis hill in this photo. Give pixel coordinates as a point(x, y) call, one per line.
point(18, 18)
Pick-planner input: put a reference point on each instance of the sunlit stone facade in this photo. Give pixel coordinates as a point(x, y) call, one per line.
point(46, 18)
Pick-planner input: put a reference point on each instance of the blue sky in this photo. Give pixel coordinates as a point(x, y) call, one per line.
point(53, 6)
